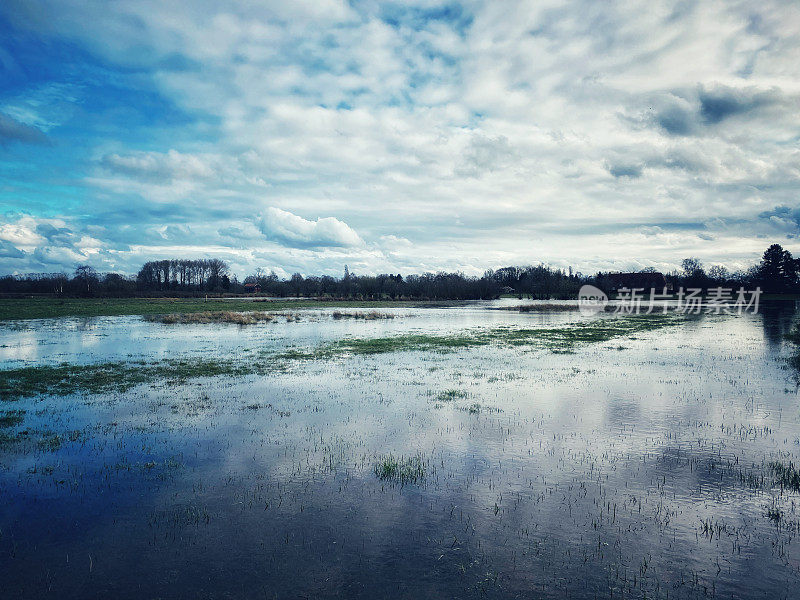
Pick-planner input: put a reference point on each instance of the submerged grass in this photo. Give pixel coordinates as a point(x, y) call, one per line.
point(557, 339)
point(372, 315)
point(11, 418)
point(793, 361)
point(787, 476)
point(401, 470)
point(450, 395)
point(64, 379)
point(8, 440)
point(45, 441)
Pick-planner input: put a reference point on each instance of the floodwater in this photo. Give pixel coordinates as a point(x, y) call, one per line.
point(636, 467)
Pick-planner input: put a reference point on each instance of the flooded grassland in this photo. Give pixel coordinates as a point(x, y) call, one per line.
point(399, 452)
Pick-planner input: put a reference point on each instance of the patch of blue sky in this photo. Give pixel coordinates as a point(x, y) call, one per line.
point(418, 18)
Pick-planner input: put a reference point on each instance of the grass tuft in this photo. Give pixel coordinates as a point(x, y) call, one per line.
point(450, 395)
point(787, 476)
point(401, 470)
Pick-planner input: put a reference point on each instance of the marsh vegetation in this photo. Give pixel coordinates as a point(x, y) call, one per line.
point(217, 316)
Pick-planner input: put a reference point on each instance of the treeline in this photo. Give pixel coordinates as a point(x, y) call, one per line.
point(161, 277)
point(450, 286)
point(777, 272)
point(209, 275)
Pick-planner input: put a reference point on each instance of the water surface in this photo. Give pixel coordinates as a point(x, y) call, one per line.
point(636, 467)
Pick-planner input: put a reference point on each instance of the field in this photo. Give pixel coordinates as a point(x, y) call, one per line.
point(395, 451)
point(47, 308)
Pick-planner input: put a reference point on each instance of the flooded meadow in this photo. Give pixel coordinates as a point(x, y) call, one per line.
point(409, 452)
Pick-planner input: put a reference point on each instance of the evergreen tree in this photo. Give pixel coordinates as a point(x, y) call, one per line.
point(777, 271)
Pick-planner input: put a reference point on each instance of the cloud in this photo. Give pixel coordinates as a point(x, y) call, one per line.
point(625, 170)
point(20, 230)
point(56, 235)
point(231, 231)
point(159, 166)
point(651, 231)
point(694, 112)
point(294, 231)
point(782, 217)
point(722, 102)
point(457, 135)
point(391, 242)
point(676, 118)
point(484, 154)
point(45, 244)
point(12, 130)
point(8, 250)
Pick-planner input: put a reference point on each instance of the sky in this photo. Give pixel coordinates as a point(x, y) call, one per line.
point(397, 136)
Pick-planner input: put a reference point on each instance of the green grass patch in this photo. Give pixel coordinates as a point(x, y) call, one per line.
point(401, 470)
point(64, 379)
point(558, 339)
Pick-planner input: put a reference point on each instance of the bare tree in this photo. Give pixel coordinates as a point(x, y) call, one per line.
point(87, 276)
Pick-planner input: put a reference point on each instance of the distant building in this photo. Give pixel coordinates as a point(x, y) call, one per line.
point(252, 288)
point(647, 281)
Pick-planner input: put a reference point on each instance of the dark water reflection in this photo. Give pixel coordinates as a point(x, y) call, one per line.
point(629, 468)
point(778, 318)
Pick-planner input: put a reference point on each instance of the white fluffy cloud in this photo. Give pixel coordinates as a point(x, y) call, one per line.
point(294, 231)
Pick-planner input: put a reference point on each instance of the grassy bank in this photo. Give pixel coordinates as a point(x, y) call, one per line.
point(45, 308)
